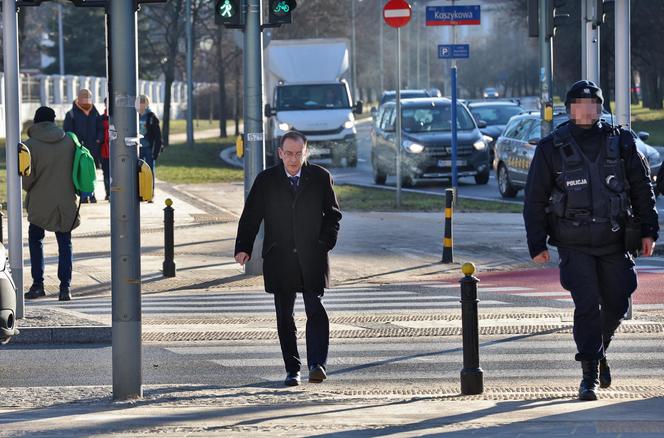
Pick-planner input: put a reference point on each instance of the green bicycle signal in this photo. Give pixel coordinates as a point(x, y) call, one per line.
point(281, 8)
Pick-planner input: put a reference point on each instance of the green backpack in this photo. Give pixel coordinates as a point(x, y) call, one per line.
point(84, 171)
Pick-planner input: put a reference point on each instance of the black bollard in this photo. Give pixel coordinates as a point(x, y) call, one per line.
point(448, 256)
point(472, 376)
point(169, 240)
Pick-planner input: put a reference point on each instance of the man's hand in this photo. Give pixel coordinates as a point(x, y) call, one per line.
point(647, 246)
point(542, 257)
point(242, 258)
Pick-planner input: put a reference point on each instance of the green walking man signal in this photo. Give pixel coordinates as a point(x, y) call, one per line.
point(229, 13)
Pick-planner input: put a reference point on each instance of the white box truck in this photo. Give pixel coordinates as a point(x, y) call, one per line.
point(306, 90)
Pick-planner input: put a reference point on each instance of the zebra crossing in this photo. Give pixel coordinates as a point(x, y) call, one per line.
point(375, 299)
point(422, 360)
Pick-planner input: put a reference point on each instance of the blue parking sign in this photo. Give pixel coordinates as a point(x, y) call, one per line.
point(453, 51)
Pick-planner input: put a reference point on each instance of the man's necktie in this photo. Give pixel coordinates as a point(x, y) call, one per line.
point(294, 181)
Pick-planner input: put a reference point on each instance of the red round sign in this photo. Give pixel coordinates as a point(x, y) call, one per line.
point(397, 13)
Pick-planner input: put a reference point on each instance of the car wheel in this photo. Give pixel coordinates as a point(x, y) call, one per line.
point(482, 178)
point(379, 176)
point(505, 187)
point(407, 180)
point(351, 160)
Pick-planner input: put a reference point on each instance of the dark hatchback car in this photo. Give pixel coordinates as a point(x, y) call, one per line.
point(515, 150)
point(427, 143)
point(492, 116)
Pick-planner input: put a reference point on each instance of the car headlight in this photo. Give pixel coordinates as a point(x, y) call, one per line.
point(348, 124)
point(487, 139)
point(412, 147)
point(479, 145)
point(284, 126)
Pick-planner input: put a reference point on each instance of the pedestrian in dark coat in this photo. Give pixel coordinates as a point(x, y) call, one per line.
point(298, 206)
point(84, 120)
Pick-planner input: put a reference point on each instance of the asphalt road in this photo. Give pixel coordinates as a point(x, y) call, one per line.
point(362, 175)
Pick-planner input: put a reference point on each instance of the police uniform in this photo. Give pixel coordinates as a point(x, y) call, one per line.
point(585, 187)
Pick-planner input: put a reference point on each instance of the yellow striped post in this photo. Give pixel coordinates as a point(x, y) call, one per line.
point(448, 255)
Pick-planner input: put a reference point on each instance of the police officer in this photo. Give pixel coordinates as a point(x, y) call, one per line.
point(587, 188)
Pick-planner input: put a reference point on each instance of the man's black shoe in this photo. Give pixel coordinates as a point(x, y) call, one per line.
point(317, 374)
point(65, 294)
point(590, 381)
point(36, 291)
point(292, 379)
point(85, 200)
point(604, 374)
point(93, 199)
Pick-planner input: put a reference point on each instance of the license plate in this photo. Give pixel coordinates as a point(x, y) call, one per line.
point(448, 163)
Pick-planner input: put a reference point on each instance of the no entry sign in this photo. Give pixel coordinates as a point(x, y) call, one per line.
point(397, 13)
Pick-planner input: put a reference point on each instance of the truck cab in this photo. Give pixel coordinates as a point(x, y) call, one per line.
point(307, 91)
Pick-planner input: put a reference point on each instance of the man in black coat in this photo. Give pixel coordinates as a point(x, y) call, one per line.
point(301, 215)
point(586, 186)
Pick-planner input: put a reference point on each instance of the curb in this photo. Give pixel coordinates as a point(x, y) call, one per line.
point(228, 156)
point(63, 335)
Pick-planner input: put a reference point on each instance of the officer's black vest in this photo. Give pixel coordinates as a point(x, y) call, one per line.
point(590, 201)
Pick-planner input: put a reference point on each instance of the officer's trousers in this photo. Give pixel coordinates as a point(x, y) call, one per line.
point(600, 287)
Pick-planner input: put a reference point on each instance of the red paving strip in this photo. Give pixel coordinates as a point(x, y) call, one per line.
point(650, 290)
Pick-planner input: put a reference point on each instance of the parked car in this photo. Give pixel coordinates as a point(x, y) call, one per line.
point(7, 300)
point(490, 93)
point(491, 117)
point(427, 142)
point(516, 147)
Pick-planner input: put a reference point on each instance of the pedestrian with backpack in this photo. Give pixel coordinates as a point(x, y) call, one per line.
point(84, 120)
point(50, 200)
point(151, 143)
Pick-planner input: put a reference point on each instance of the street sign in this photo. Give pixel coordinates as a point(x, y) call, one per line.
point(397, 13)
point(453, 51)
point(453, 15)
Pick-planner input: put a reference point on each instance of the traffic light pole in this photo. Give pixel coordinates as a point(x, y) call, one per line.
point(546, 63)
point(253, 106)
point(13, 133)
point(190, 70)
point(125, 209)
point(590, 41)
point(623, 65)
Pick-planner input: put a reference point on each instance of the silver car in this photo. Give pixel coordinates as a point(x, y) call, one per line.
point(515, 149)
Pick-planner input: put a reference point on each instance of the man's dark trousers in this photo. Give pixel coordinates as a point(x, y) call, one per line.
point(318, 329)
point(600, 286)
point(65, 257)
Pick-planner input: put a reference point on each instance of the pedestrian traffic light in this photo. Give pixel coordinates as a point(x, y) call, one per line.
point(229, 13)
point(553, 17)
point(280, 11)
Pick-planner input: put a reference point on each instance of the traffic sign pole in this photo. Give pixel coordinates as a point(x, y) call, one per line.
point(398, 109)
point(453, 77)
point(397, 13)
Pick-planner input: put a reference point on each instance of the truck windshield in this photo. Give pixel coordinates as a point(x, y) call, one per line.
point(313, 96)
point(435, 118)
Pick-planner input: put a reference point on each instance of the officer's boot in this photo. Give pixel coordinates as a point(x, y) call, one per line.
point(604, 369)
point(590, 380)
point(604, 373)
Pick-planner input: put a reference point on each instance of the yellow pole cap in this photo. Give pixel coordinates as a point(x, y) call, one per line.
point(168, 202)
point(468, 269)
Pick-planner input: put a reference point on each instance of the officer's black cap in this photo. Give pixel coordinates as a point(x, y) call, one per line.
point(584, 90)
point(44, 114)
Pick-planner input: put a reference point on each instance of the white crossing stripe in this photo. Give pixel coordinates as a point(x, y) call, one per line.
point(542, 294)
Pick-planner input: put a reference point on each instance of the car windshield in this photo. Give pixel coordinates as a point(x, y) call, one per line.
point(495, 115)
point(315, 96)
point(391, 96)
point(435, 118)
